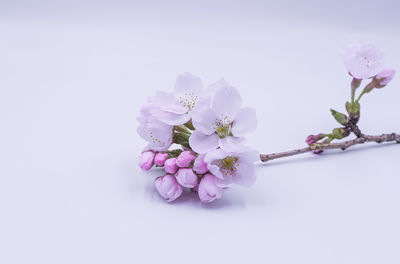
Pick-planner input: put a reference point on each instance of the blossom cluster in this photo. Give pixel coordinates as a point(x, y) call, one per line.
point(197, 136)
point(363, 62)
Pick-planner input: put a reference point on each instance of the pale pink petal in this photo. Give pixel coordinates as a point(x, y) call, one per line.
point(202, 143)
point(231, 144)
point(245, 122)
point(172, 118)
point(204, 121)
point(245, 174)
point(167, 102)
point(226, 103)
point(188, 83)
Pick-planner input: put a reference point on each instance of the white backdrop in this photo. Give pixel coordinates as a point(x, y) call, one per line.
point(73, 75)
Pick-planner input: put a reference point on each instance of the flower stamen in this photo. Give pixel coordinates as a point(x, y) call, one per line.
point(228, 165)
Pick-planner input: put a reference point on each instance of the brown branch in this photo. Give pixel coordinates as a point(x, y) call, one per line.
point(342, 145)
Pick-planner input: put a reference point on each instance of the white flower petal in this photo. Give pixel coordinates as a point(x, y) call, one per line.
point(215, 170)
point(226, 102)
point(167, 102)
point(245, 174)
point(249, 156)
point(188, 83)
point(245, 122)
point(215, 155)
point(226, 181)
point(214, 87)
point(172, 118)
point(231, 144)
point(202, 143)
point(204, 121)
point(158, 134)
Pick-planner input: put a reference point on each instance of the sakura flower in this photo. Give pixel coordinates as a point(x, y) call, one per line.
point(177, 108)
point(223, 124)
point(156, 133)
point(232, 167)
point(168, 187)
point(363, 61)
point(208, 190)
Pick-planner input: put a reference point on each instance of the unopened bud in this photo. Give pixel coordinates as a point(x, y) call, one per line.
point(384, 77)
point(311, 139)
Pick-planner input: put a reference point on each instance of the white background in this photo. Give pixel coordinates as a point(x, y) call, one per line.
point(73, 75)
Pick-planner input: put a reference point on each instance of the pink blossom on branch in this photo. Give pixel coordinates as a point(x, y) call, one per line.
point(223, 124)
point(363, 61)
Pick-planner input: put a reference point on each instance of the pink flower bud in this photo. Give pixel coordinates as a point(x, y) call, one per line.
point(385, 76)
point(311, 139)
point(185, 159)
point(187, 178)
point(160, 158)
point(146, 160)
point(199, 165)
point(208, 190)
point(170, 166)
point(168, 187)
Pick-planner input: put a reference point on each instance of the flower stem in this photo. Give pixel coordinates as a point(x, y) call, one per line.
point(183, 129)
point(359, 97)
point(342, 145)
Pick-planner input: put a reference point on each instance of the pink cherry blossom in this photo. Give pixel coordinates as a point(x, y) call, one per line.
point(185, 159)
point(187, 178)
point(363, 61)
point(160, 158)
point(208, 190)
point(156, 133)
point(232, 167)
point(177, 108)
point(168, 187)
point(170, 166)
point(146, 160)
point(223, 124)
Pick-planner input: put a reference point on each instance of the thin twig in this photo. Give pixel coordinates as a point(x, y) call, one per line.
point(342, 145)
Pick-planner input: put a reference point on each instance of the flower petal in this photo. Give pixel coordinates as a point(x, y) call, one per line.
point(204, 121)
point(202, 143)
point(245, 174)
point(227, 102)
point(172, 118)
point(188, 83)
point(245, 122)
point(231, 144)
point(167, 102)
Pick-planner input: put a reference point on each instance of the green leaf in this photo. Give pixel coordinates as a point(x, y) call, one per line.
point(339, 117)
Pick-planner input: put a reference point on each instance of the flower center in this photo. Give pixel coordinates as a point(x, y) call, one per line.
point(228, 165)
point(154, 139)
point(367, 61)
point(188, 100)
point(222, 127)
